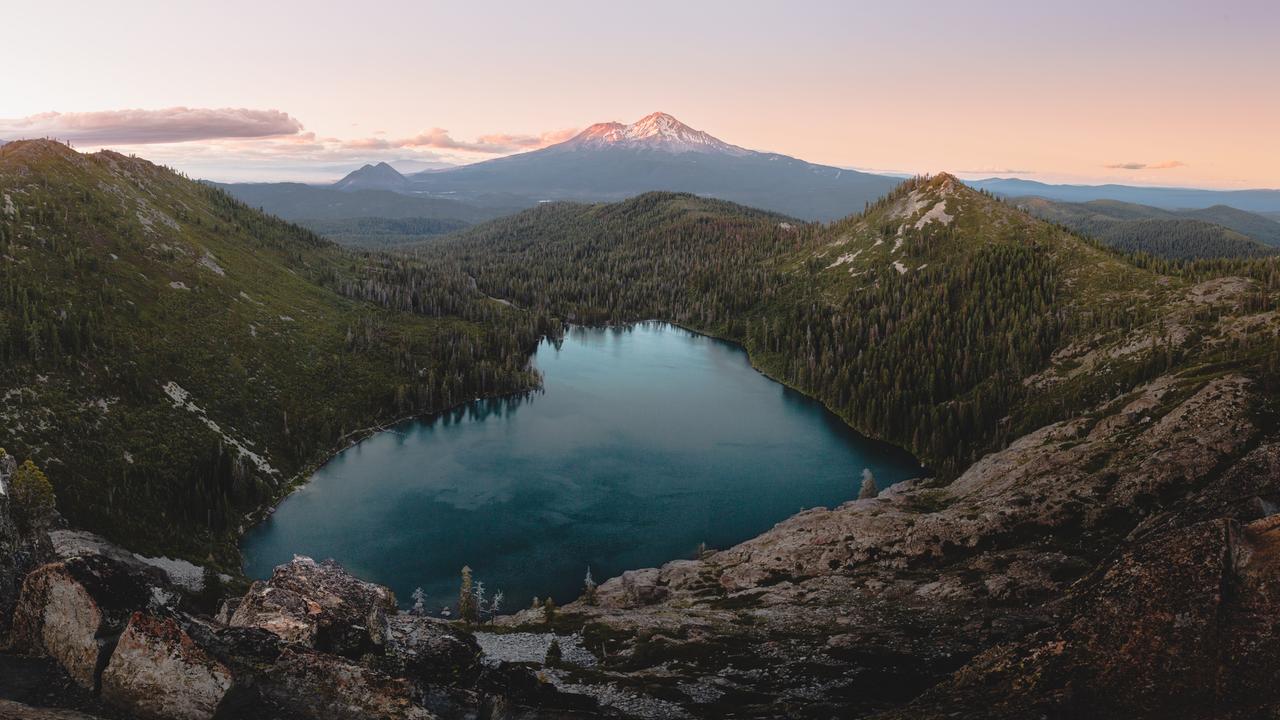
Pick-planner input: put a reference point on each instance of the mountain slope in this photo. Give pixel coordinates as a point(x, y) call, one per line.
point(1173, 234)
point(1162, 197)
point(362, 217)
point(612, 161)
point(175, 359)
point(373, 177)
point(1264, 229)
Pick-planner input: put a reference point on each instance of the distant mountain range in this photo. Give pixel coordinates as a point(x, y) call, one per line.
point(370, 218)
point(605, 162)
point(612, 161)
point(1217, 231)
point(1162, 197)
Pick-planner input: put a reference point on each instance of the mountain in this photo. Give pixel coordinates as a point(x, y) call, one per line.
point(363, 217)
point(658, 132)
point(612, 161)
point(1173, 234)
point(1162, 197)
point(1260, 227)
point(177, 360)
point(373, 177)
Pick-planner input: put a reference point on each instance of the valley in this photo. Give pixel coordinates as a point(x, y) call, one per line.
point(659, 361)
point(1089, 417)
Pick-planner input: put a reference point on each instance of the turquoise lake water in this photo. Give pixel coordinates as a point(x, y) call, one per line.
point(645, 442)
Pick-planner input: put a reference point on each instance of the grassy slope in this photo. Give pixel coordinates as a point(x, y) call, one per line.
point(120, 277)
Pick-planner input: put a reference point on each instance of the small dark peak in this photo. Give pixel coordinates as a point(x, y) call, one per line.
point(373, 177)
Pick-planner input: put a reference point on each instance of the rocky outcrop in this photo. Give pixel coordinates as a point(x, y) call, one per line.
point(430, 650)
point(159, 672)
point(324, 687)
point(74, 610)
point(311, 643)
point(319, 605)
point(1185, 624)
point(864, 607)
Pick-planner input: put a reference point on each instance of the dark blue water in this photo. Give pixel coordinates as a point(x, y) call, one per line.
point(647, 441)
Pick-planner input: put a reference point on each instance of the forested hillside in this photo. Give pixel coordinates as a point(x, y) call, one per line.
point(922, 320)
point(1216, 232)
point(175, 359)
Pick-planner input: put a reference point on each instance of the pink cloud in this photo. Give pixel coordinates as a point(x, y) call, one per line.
point(144, 127)
point(494, 144)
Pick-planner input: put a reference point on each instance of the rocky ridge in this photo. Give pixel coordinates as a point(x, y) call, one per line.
point(112, 635)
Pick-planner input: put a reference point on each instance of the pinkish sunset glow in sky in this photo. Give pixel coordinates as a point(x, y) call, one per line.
point(1144, 92)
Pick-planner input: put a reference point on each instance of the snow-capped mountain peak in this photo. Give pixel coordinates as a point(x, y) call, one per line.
point(658, 131)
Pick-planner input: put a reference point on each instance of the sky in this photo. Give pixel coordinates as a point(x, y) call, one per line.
point(1138, 92)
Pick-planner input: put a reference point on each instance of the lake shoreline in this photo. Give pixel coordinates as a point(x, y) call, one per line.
point(766, 451)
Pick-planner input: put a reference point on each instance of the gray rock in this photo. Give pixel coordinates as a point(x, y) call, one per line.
point(324, 687)
point(73, 610)
point(319, 605)
point(158, 672)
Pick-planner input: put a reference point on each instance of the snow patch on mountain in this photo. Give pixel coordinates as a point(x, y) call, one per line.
point(658, 131)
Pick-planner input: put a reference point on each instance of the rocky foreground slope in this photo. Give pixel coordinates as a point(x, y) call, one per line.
point(96, 631)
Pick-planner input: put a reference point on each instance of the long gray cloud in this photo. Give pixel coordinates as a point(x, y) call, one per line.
point(143, 127)
point(1166, 165)
point(495, 144)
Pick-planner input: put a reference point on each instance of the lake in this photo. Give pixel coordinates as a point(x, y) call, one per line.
point(646, 441)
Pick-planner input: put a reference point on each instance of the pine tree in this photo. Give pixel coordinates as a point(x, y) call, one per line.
point(589, 588)
point(33, 498)
point(554, 654)
point(467, 609)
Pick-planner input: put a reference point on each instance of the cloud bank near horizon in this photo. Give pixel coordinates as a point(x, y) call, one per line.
point(222, 139)
point(146, 127)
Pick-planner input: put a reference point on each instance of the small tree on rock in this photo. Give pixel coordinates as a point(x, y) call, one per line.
point(467, 609)
point(419, 603)
point(33, 498)
point(589, 588)
point(554, 654)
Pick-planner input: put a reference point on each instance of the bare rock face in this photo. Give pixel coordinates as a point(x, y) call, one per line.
point(75, 609)
point(324, 687)
point(159, 672)
point(319, 605)
point(860, 608)
point(1185, 624)
point(430, 650)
